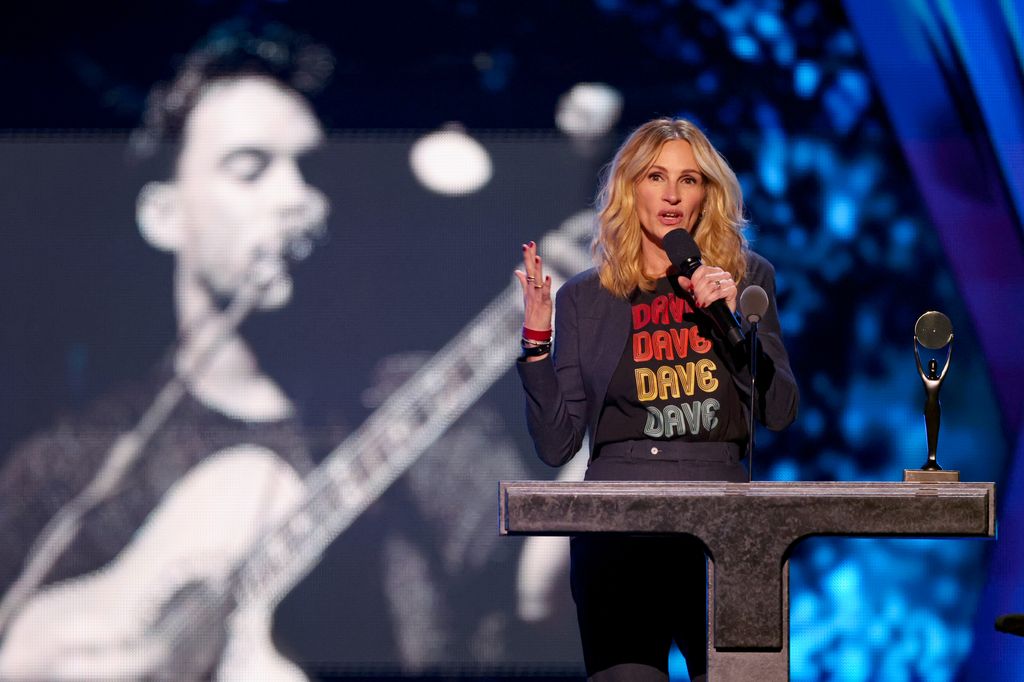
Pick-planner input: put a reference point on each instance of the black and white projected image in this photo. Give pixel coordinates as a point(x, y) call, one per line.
point(215, 509)
point(267, 468)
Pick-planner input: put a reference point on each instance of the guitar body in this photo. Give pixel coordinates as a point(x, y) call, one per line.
point(163, 609)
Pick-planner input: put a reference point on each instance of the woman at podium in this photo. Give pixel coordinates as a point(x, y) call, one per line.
point(649, 359)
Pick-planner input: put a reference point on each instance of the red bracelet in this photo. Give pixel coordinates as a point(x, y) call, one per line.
point(535, 335)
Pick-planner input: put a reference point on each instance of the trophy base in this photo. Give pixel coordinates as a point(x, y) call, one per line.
point(925, 476)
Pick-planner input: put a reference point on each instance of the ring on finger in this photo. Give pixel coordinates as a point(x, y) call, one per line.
point(538, 286)
point(531, 279)
point(718, 283)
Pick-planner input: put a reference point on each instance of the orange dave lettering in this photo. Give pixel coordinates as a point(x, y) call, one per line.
point(671, 344)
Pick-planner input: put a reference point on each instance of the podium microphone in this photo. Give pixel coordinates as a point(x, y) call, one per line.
point(684, 253)
point(753, 305)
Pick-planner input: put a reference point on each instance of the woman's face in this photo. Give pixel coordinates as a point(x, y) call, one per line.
point(669, 196)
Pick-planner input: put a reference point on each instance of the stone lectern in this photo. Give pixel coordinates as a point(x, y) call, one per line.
point(748, 530)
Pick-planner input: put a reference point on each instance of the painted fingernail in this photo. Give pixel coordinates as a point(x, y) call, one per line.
point(532, 242)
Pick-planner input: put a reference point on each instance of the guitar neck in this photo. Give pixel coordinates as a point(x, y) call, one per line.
point(357, 472)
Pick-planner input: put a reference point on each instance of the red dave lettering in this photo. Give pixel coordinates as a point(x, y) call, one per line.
point(662, 310)
point(679, 307)
point(659, 310)
point(641, 315)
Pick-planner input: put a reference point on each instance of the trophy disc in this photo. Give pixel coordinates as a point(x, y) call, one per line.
point(933, 330)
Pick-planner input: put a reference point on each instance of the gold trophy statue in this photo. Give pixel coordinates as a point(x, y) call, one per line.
point(933, 332)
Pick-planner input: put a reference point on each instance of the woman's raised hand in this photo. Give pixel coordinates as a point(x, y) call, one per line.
point(536, 290)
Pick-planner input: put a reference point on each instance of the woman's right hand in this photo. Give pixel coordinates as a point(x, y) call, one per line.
point(536, 291)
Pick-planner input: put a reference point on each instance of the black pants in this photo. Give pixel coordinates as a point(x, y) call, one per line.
point(636, 595)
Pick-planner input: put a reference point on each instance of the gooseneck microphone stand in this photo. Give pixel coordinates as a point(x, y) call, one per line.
point(752, 338)
point(754, 303)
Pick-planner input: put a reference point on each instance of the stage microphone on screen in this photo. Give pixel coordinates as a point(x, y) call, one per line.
point(753, 305)
point(684, 253)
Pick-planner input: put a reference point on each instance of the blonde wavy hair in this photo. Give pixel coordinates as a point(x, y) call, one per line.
point(617, 244)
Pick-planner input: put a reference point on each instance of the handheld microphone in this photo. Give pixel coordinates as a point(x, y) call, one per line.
point(684, 253)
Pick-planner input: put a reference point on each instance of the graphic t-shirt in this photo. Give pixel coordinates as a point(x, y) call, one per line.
point(670, 382)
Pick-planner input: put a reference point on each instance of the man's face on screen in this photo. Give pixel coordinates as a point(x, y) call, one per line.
point(242, 194)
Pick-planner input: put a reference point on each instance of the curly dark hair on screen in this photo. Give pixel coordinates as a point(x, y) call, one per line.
point(230, 50)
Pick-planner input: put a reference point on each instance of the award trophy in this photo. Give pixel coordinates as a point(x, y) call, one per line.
point(934, 333)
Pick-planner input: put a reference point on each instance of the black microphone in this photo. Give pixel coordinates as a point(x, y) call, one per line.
point(684, 253)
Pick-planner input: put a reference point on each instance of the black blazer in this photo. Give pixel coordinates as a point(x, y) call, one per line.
point(565, 392)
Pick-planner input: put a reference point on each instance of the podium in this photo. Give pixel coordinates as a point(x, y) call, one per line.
point(748, 531)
